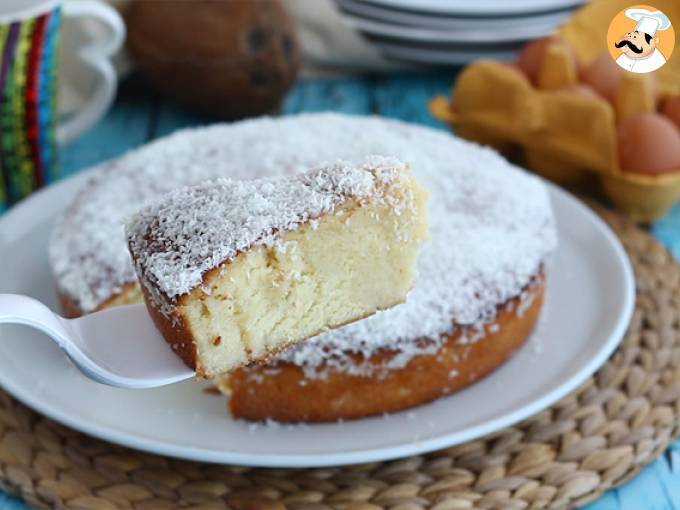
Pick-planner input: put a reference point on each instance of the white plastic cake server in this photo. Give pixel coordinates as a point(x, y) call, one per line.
point(119, 347)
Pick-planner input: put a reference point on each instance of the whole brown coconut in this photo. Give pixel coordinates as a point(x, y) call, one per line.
point(224, 58)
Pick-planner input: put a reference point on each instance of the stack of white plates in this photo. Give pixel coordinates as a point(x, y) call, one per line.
point(454, 31)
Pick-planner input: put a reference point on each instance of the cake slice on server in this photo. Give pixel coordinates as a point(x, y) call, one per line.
point(233, 271)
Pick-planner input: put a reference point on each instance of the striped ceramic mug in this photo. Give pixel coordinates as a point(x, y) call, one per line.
point(29, 127)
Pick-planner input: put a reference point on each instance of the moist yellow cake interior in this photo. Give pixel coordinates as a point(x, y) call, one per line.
point(327, 273)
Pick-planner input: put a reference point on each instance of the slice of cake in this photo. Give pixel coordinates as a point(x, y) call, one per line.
point(233, 271)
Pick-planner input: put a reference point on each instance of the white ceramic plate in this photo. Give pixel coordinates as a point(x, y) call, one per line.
point(481, 35)
point(478, 7)
point(442, 54)
point(449, 27)
point(589, 303)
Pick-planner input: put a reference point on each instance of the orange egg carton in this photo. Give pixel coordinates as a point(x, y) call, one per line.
point(542, 116)
point(565, 136)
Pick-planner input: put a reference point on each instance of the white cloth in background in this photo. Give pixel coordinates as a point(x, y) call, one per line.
point(329, 43)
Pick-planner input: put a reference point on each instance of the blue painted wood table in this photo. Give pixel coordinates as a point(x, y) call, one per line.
point(140, 115)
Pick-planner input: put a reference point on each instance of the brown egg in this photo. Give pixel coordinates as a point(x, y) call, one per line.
point(603, 75)
point(671, 109)
point(530, 59)
point(649, 143)
point(515, 68)
point(583, 90)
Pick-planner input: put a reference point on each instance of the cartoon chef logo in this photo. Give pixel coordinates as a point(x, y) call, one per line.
point(645, 39)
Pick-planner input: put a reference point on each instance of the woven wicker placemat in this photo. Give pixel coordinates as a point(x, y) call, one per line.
point(595, 439)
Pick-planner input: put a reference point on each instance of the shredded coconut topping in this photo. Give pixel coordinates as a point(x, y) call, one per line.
point(491, 224)
point(180, 237)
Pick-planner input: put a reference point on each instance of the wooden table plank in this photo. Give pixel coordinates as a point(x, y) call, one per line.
point(646, 491)
point(11, 503)
point(347, 95)
point(668, 479)
point(667, 230)
point(405, 96)
point(609, 501)
point(170, 117)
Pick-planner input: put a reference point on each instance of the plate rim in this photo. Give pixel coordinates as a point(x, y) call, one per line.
point(379, 454)
point(430, 56)
point(353, 10)
point(472, 9)
point(427, 35)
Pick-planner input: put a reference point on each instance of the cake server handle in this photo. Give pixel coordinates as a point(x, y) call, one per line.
point(18, 309)
point(26, 311)
point(118, 347)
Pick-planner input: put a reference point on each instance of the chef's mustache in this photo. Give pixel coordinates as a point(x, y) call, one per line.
point(626, 42)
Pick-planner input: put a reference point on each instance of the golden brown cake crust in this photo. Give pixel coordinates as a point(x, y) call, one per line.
point(176, 334)
point(283, 393)
point(69, 306)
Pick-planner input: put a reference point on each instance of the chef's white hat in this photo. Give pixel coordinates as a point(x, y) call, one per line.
point(648, 21)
